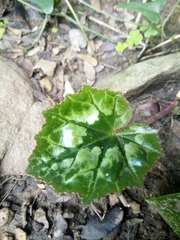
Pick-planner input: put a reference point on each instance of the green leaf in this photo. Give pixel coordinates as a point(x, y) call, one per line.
point(149, 9)
point(46, 5)
point(150, 29)
point(81, 148)
point(176, 111)
point(54, 30)
point(151, 32)
point(120, 47)
point(2, 30)
point(135, 37)
point(6, 21)
point(169, 208)
point(145, 25)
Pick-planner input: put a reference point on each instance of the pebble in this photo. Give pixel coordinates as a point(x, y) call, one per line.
point(6, 216)
point(77, 38)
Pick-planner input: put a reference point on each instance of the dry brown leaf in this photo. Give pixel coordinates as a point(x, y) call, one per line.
point(95, 4)
point(91, 47)
point(88, 59)
point(33, 51)
point(15, 53)
point(89, 71)
point(46, 84)
point(15, 30)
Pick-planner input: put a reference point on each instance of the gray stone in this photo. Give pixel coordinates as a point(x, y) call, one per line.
point(20, 118)
point(138, 77)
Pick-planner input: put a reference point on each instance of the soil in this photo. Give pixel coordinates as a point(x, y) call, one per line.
point(35, 211)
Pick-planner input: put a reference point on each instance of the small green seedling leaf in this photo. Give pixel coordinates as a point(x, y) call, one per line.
point(6, 21)
point(46, 5)
point(135, 37)
point(150, 10)
point(145, 26)
point(2, 30)
point(86, 147)
point(169, 208)
point(54, 30)
point(149, 29)
point(150, 32)
point(176, 111)
point(120, 47)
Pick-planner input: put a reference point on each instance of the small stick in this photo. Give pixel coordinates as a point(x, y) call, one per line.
point(161, 114)
point(123, 35)
point(163, 43)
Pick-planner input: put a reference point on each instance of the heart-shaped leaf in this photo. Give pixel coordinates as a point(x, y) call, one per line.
point(169, 208)
point(81, 148)
point(149, 9)
point(135, 38)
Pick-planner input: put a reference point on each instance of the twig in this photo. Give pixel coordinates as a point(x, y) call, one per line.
point(84, 27)
point(161, 114)
point(163, 43)
point(154, 55)
point(105, 13)
point(9, 190)
point(50, 99)
point(108, 26)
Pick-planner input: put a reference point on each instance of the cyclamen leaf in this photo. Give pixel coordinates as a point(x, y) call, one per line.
point(80, 148)
point(169, 208)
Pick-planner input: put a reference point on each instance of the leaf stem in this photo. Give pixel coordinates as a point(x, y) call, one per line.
point(107, 14)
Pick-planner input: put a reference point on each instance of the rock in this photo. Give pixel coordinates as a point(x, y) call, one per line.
point(60, 225)
point(20, 234)
point(6, 216)
point(77, 38)
point(48, 67)
point(138, 77)
point(97, 229)
point(20, 118)
point(40, 217)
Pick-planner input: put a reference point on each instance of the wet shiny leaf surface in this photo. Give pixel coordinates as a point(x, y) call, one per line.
point(85, 146)
point(169, 208)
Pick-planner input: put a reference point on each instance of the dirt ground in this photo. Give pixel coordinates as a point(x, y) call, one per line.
point(29, 209)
